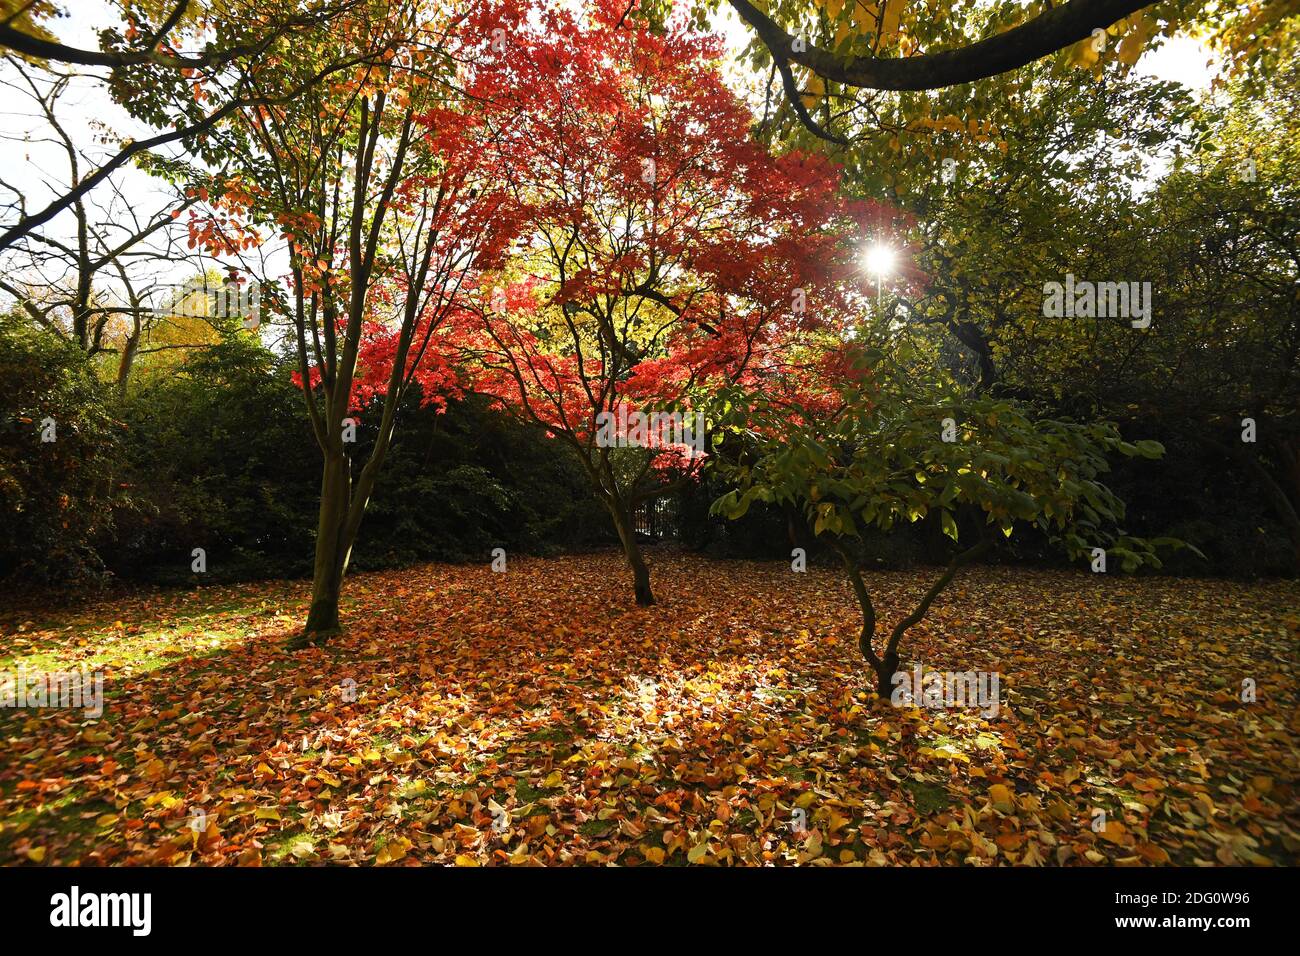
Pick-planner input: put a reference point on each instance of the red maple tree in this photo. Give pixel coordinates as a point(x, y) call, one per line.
point(663, 251)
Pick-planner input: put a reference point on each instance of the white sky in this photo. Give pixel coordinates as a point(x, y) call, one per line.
point(39, 168)
point(1182, 60)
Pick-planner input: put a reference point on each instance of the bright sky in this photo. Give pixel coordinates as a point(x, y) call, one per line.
point(40, 169)
point(1181, 60)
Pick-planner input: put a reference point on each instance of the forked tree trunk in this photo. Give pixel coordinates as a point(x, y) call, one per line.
point(342, 506)
point(885, 664)
point(331, 550)
point(885, 671)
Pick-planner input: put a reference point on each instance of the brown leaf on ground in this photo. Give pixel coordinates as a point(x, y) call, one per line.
point(538, 716)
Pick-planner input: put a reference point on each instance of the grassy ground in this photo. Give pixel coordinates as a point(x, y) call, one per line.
point(538, 716)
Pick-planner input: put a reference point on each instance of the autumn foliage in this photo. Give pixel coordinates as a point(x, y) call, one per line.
point(658, 251)
point(686, 734)
point(786, 327)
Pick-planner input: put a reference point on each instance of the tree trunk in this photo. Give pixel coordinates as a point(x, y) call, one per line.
point(885, 665)
point(331, 551)
point(885, 668)
point(323, 618)
point(640, 577)
point(127, 360)
point(636, 561)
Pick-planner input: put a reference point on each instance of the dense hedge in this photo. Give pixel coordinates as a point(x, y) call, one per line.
point(56, 496)
point(1190, 494)
point(216, 453)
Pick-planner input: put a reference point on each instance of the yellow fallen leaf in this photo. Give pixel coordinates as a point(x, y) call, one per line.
point(394, 849)
point(1114, 832)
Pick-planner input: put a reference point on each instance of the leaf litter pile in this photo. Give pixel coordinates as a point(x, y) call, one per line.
point(538, 716)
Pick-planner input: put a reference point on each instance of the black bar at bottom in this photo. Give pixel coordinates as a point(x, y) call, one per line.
point(323, 906)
